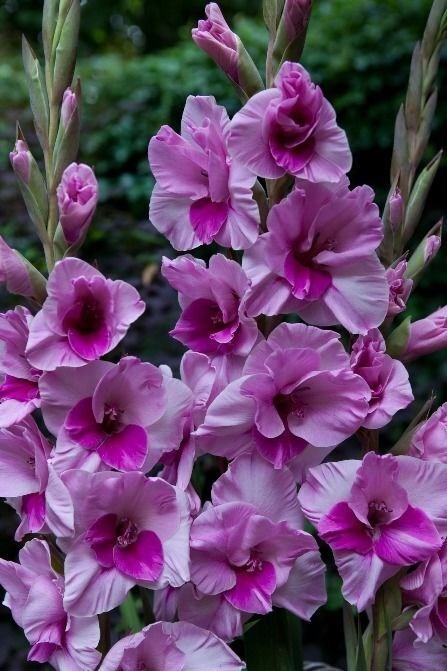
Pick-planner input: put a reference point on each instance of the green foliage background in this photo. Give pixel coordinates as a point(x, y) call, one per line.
point(137, 65)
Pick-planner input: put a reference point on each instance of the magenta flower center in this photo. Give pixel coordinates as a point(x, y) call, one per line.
point(254, 565)
point(112, 419)
point(378, 512)
point(287, 404)
point(126, 533)
point(89, 317)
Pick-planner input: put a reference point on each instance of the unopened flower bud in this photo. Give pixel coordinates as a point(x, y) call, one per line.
point(432, 246)
point(427, 335)
point(214, 36)
point(424, 253)
point(69, 106)
point(396, 210)
point(77, 195)
point(21, 158)
point(400, 288)
point(31, 183)
point(19, 275)
point(292, 29)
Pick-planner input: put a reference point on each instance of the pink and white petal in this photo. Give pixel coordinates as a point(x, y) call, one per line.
point(305, 590)
point(81, 640)
point(16, 581)
point(113, 659)
point(332, 158)
point(251, 479)
point(17, 478)
point(61, 390)
point(425, 483)
point(166, 434)
point(362, 576)
point(411, 538)
point(359, 294)
point(317, 313)
point(169, 156)
point(270, 296)
point(47, 351)
point(327, 343)
point(410, 657)
point(335, 404)
point(396, 394)
point(44, 613)
point(200, 110)
point(189, 276)
point(176, 568)
point(309, 457)
point(248, 143)
point(326, 485)
point(68, 455)
point(212, 612)
point(200, 646)
point(35, 557)
point(169, 214)
point(89, 588)
point(58, 506)
point(230, 414)
point(13, 411)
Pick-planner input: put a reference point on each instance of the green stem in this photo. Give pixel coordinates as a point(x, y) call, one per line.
point(104, 628)
point(148, 613)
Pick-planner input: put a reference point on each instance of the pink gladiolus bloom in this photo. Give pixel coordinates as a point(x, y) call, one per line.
point(84, 317)
point(318, 259)
point(427, 335)
point(215, 37)
point(120, 416)
point(400, 289)
point(213, 320)
point(297, 388)
point(426, 587)
point(290, 128)
point(30, 483)
point(408, 656)
point(172, 647)
point(377, 515)
point(34, 593)
point(77, 195)
point(246, 546)
point(429, 442)
point(387, 378)
point(131, 530)
point(201, 194)
point(19, 391)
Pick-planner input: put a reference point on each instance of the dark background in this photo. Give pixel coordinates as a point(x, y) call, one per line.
point(137, 65)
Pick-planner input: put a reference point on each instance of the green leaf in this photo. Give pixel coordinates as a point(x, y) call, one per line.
point(360, 664)
point(274, 643)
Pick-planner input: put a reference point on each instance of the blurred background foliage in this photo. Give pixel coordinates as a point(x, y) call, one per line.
point(137, 65)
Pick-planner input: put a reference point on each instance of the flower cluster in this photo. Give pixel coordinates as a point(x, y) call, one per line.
point(98, 452)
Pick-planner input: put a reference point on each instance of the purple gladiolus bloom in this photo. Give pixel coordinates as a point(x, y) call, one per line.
point(201, 194)
point(84, 317)
point(290, 128)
